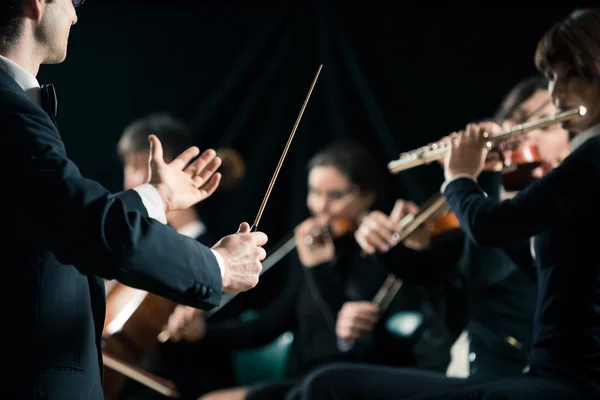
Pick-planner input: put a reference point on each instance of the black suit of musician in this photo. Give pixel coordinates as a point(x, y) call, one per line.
point(62, 231)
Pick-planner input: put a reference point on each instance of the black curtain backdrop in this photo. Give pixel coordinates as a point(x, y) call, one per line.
point(394, 78)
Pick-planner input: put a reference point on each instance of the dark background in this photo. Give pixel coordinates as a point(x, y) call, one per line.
point(394, 78)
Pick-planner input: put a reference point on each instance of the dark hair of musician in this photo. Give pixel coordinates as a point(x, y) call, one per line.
point(356, 163)
point(11, 12)
point(573, 43)
point(173, 134)
point(521, 92)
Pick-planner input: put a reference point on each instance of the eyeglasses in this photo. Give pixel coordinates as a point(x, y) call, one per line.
point(77, 3)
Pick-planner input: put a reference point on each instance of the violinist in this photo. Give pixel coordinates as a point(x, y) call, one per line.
point(344, 182)
point(500, 296)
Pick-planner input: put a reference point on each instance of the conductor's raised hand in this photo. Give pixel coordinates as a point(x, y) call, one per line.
point(183, 182)
point(242, 253)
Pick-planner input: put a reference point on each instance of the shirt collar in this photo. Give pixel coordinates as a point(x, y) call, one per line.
point(579, 139)
point(24, 78)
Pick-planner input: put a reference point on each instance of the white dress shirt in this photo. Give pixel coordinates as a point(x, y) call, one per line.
point(193, 229)
point(578, 140)
point(150, 197)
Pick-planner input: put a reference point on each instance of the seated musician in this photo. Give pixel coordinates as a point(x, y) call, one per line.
point(344, 182)
point(133, 150)
point(501, 297)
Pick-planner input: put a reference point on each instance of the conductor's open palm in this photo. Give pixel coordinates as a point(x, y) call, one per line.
point(182, 184)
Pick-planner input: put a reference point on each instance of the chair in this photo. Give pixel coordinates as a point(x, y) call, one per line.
point(264, 363)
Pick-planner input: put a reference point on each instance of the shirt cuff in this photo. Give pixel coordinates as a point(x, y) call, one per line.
point(453, 178)
point(153, 202)
point(220, 261)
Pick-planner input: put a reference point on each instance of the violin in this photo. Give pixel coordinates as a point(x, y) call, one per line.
point(519, 165)
point(342, 226)
point(435, 216)
point(444, 222)
point(336, 228)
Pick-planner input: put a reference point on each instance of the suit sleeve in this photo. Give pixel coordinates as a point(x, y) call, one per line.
point(83, 224)
point(566, 193)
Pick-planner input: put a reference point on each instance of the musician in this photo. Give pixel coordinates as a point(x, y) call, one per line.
point(68, 232)
point(500, 296)
point(558, 209)
point(133, 150)
point(344, 182)
point(168, 359)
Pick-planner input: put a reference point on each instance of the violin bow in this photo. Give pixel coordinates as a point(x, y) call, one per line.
point(227, 297)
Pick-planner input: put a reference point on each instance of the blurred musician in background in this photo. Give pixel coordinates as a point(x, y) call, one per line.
point(133, 150)
point(501, 296)
point(167, 360)
point(334, 281)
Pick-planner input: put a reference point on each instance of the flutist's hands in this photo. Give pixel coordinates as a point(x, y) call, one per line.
point(180, 185)
point(242, 253)
point(380, 232)
point(186, 323)
point(467, 155)
point(493, 159)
